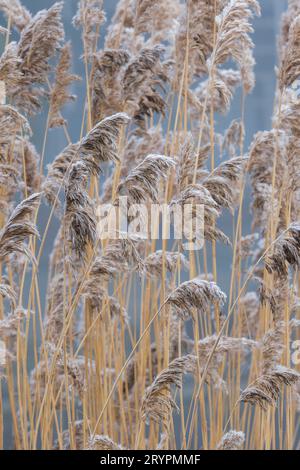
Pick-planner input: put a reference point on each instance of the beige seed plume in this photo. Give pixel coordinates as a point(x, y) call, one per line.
point(195, 294)
point(124, 251)
point(233, 137)
point(56, 306)
point(195, 34)
point(101, 442)
point(79, 211)
point(246, 245)
point(272, 345)
point(10, 324)
point(233, 31)
point(66, 438)
point(16, 12)
point(186, 162)
point(39, 42)
point(57, 172)
point(100, 301)
point(224, 181)
point(75, 372)
point(286, 251)
point(8, 184)
point(198, 194)
point(222, 95)
point(266, 296)
point(157, 403)
point(226, 345)
point(60, 95)
point(156, 262)
point(232, 440)
point(10, 72)
point(90, 16)
point(142, 182)
point(103, 269)
point(287, 19)
point(265, 390)
point(7, 291)
point(232, 43)
point(120, 29)
point(107, 90)
point(138, 73)
point(97, 147)
point(219, 91)
point(100, 145)
point(146, 10)
point(11, 123)
point(290, 68)
point(26, 155)
point(19, 227)
point(261, 156)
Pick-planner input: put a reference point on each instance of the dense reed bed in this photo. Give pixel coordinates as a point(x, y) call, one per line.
point(136, 345)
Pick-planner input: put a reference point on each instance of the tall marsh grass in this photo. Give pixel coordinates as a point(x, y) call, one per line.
point(136, 345)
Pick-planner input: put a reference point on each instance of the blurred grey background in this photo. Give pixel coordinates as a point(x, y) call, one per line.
point(258, 113)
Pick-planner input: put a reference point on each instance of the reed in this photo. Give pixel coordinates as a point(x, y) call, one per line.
point(136, 345)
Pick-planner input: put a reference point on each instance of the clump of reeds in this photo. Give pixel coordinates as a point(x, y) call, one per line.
point(132, 330)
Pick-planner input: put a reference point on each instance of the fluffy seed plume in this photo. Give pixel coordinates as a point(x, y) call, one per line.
point(290, 67)
point(107, 88)
point(222, 183)
point(98, 442)
point(232, 43)
point(16, 12)
point(145, 11)
point(186, 162)
point(226, 345)
point(10, 72)
point(233, 137)
point(142, 182)
point(12, 123)
point(59, 94)
point(66, 438)
point(272, 345)
point(157, 401)
point(286, 251)
point(79, 212)
point(74, 369)
point(170, 261)
point(9, 325)
point(7, 291)
point(19, 227)
point(195, 294)
point(261, 157)
point(198, 194)
point(265, 390)
point(90, 16)
point(38, 44)
point(27, 156)
point(140, 74)
point(57, 172)
point(233, 31)
point(100, 145)
point(102, 269)
point(232, 440)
